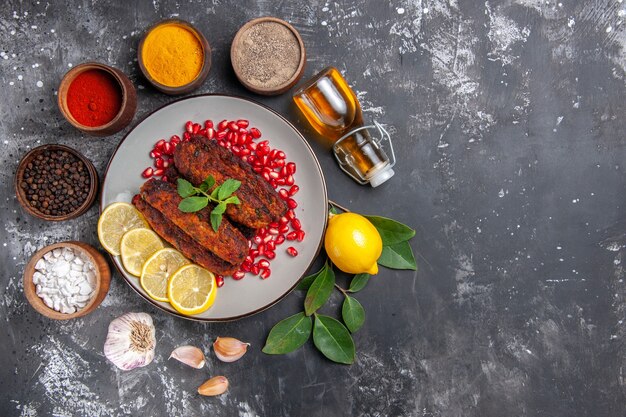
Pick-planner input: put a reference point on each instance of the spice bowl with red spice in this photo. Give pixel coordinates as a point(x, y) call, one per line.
point(97, 99)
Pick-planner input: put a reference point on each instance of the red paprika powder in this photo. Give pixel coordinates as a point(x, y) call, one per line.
point(94, 98)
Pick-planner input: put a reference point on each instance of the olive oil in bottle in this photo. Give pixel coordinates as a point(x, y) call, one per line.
point(332, 108)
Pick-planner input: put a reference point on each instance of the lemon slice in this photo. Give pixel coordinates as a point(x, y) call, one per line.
point(115, 220)
point(136, 247)
point(192, 290)
point(158, 269)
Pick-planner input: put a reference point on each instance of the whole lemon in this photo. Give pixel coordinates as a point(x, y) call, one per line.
point(353, 244)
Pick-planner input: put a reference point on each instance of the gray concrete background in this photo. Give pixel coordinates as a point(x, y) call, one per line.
point(508, 118)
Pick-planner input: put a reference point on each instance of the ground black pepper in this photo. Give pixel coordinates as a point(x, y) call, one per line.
point(56, 182)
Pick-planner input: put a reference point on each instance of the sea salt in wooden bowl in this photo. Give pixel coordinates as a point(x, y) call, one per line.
point(102, 272)
point(268, 56)
point(128, 105)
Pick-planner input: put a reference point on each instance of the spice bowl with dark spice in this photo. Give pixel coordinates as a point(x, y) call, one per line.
point(97, 99)
point(268, 56)
point(55, 182)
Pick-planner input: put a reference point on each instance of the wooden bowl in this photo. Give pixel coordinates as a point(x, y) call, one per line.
point(127, 109)
point(196, 82)
point(103, 279)
point(267, 91)
point(21, 195)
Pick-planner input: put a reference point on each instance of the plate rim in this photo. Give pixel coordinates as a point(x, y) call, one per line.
point(319, 245)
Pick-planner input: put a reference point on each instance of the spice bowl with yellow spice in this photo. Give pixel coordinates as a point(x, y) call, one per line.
point(174, 56)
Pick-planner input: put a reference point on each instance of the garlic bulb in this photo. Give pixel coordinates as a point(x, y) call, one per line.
point(229, 349)
point(214, 386)
point(189, 355)
point(130, 342)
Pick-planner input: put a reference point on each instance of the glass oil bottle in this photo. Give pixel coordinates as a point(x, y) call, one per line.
point(332, 108)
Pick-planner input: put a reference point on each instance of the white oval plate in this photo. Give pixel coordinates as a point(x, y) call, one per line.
point(236, 299)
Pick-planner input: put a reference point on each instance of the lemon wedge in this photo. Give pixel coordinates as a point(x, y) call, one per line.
point(136, 247)
point(192, 290)
point(157, 271)
point(115, 221)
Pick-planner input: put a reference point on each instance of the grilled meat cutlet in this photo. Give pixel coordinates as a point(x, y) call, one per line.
point(182, 241)
point(260, 204)
point(227, 243)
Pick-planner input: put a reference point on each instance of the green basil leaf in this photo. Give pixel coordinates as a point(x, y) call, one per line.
point(320, 290)
point(352, 313)
point(215, 191)
point(306, 282)
point(391, 231)
point(398, 256)
point(333, 209)
point(288, 334)
point(219, 209)
point(185, 188)
point(207, 184)
point(233, 199)
point(216, 220)
point(227, 188)
point(193, 204)
point(359, 282)
point(333, 340)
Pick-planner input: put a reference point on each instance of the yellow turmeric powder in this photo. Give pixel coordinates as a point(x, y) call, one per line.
point(172, 55)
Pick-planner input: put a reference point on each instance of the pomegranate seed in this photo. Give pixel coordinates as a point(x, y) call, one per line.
point(164, 178)
point(263, 263)
point(257, 239)
point(221, 134)
point(236, 150)
point(279, 239)
point(280, 181)
point(147, 173)
point(245, 151)
point(208, 124)
point(210, 133)
point(273, 231)
point(274, 175)
point(252, 146)
point(254, 270)
point(279, 163)
point(155, 154)
point(291, 168)
point(280, 155)
point(261, 249)
point(284, 228)
point(159, 143)
point(243, 123)
point(262, 231)
point(266, 176)
point(289, 180)
point(166, 163)
point(189, 126)
point(292, 251)
point(245, 267)
point(290, 214)
point(238, 275)
point(291, 203)
point(233, 126)
point(295, 223)
point(158, 172)
point(294, 190)
point(283, 220)
point(271, 245)
point(219, 280)
point(256, 133)
point(168, 149)
point(186, 136)
point(284, 194)
point(292, 235)
point(202, 132)
point(222, 125)
point(175, 139)
point(158, 163)
point(270, 254)
point(196, 128)
point(254, 253)
point(273, 153)
point(243, 138)
point(231, 136)
point(265, 274)
point(300, 235)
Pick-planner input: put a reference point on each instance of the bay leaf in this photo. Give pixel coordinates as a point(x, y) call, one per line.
point(353, 314)
point(391, 231)
point(288, 334)
point(359, 282)
point(320, 290)
point(398, 256)
point(333, 340)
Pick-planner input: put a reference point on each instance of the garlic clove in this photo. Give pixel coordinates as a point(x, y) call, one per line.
point(131, 341)
point(189, 355)
point(214, 386)
point(229, 349)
